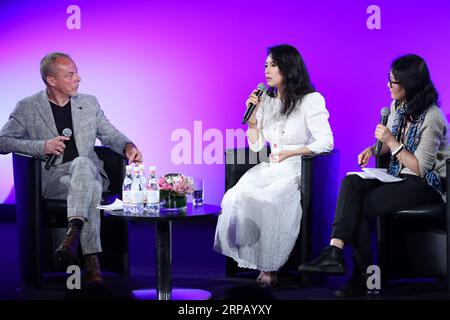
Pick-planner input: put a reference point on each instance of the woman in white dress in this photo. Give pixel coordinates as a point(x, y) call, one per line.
point(261, 214)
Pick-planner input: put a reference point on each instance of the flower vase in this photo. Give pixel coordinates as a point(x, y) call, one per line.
point(175, 201)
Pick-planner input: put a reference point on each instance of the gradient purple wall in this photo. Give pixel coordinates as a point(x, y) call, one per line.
point(158, 66)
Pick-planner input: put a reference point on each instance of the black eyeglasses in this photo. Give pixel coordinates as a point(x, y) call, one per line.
point(391, 83)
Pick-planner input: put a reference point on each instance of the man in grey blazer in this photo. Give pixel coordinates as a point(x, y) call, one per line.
point(35, 127)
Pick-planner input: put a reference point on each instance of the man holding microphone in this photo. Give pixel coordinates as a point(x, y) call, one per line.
point(61, 126)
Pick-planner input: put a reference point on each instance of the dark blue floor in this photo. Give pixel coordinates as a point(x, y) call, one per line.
point(195, 265)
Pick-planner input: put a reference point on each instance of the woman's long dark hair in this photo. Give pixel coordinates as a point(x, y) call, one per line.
point(413, 76)
point(295, 75)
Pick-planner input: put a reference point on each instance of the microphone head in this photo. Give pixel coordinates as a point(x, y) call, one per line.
point(385, 112)
point(262, 87)
point(67, 132)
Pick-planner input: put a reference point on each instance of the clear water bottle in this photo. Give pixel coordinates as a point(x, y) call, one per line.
point(152, 191)
point(126, 188)
point(137, 193)
point(144, 185)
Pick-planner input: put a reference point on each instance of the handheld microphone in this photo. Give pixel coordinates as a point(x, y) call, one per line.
point(52, 158)
point(384, 118)
point(251, 107)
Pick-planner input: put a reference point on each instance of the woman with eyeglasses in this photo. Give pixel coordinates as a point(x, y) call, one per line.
point(416, 139)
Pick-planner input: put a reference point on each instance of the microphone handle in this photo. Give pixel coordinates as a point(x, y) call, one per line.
point(50, 161)
point(378, 148)
point(248, 113)
point(52, 158)
point(379, 144)
point(251, 108)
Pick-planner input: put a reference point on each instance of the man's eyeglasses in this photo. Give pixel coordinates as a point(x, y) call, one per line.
point(392, 82)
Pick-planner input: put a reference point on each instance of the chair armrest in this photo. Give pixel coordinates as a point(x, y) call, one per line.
point(239, 160)
point(319, 182)
point(447, 209)
point(318, 166)
point(114, 165)
point(30, 223)
point(447, 180)
point(27, 179)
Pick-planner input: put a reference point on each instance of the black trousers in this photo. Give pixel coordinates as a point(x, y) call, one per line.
point(360, 199)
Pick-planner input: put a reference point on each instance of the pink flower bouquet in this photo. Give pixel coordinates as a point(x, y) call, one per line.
point(176, 184)
point(173, 190)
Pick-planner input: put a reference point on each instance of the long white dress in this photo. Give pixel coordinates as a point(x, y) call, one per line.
point(261, 214)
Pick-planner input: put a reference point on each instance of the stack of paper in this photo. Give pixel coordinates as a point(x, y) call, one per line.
point(116, 205)
point(376, 173)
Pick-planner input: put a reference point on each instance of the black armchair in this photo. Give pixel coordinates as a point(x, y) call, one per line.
point(42, 223)
point(318, 200)
point(414, 242)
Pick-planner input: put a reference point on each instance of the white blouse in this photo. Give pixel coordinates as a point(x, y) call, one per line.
point(306, 126)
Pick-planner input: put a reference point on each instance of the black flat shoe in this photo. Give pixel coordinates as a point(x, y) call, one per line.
point(330, 261)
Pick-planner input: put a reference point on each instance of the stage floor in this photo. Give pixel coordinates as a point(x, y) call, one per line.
point(195, 265)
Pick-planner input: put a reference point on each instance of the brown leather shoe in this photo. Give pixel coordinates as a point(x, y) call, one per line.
point(66, 253)
point(92, 272)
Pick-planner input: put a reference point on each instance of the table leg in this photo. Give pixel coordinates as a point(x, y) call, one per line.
point(164, 289)
point(164, 259)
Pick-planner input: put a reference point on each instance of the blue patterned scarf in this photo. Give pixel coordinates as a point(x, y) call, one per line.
point(412, 141)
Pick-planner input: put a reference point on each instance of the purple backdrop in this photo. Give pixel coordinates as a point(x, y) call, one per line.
point(159, 66)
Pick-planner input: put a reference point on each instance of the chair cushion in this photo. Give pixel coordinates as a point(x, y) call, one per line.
point(430, 212)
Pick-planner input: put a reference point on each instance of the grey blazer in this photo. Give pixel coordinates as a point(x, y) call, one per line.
point(31, 124)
